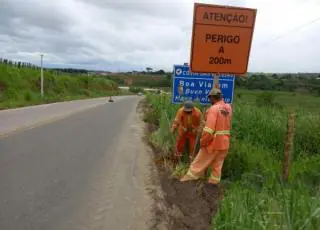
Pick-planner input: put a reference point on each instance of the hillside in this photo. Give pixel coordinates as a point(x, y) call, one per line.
point(142, 80)
point(20, 86)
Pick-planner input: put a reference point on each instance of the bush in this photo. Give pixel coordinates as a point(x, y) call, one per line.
point(136, 89)
point(265, 99)
point(28, 96)
point(11, 94)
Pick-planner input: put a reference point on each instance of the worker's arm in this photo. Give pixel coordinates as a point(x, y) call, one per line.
point(176, 122)
point(209, 129)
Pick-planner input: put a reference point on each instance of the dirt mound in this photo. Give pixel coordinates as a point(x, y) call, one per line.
point(192, 204)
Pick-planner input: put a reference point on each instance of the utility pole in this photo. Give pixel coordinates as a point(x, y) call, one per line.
point(41, 75)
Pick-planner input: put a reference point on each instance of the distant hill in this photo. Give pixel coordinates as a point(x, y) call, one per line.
point(20, 85)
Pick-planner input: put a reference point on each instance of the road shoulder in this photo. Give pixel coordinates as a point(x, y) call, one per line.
point(188, 205)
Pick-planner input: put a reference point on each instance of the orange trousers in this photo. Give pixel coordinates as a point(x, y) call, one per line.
point(181, 142)
point(204, 160)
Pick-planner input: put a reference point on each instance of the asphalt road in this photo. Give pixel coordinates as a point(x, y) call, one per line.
point(26, 117)
point(86, 171)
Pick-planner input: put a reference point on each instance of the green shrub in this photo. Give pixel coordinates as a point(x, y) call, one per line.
point(28, 96)
point(136, 89)
point(11, 94)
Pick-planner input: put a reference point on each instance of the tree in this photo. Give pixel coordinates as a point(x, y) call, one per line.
point(161, 72)
point(149, 69)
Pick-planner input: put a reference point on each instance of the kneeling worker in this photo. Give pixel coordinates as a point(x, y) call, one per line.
point(188, 120)
point(214, 142)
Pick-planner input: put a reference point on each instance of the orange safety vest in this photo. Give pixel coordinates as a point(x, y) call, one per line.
point(187, 122)
point(216, 133)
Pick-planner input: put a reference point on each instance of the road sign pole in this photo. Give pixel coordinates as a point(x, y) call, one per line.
point(216, 80)
point(41, 75)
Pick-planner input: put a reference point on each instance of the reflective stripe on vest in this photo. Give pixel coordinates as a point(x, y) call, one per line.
point(208, 130)
point(222, 132)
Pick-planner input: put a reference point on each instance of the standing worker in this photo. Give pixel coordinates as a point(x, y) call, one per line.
point(214, 142)
point(188, 120)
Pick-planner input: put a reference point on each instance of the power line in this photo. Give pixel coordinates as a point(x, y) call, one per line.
point(290, 31)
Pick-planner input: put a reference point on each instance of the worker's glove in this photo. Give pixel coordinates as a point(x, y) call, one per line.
point(205, 140)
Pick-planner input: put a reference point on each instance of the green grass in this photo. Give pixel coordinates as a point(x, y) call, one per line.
point(255, 197)
point(21, 87)
point(148, 81)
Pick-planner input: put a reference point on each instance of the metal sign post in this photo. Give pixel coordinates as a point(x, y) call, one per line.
point(41, 75)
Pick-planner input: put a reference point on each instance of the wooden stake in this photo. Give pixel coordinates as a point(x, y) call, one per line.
point(288, 145)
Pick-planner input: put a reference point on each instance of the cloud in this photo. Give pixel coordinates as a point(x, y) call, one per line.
point(126, 35)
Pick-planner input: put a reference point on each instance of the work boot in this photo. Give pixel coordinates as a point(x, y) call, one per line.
point(187, 178)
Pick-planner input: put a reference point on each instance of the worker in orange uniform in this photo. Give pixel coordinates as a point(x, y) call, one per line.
point(187, 121)
point(214, 142)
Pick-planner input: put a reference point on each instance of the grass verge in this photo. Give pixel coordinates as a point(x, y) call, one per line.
point(255, 197)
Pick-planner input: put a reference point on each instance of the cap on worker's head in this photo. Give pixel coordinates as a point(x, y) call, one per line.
point(215, 92)
point(188, 106)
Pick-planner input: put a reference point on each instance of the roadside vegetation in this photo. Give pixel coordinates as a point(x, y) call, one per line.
point(20, 86)
point(255, 196)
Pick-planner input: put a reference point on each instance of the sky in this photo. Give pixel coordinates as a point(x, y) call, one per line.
point(126, 35)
